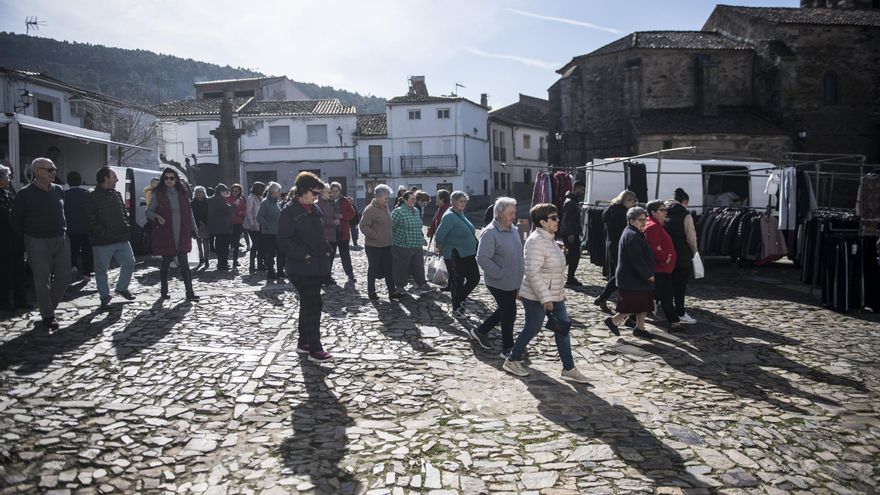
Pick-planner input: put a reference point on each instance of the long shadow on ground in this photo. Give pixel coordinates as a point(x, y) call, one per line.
point(318, 444)
point(37, 349)
point(148, 327)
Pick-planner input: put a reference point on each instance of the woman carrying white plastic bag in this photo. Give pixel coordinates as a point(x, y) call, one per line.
point(437, 272)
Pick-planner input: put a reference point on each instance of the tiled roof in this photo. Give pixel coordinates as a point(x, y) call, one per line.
point(522, 113)
point(207, 106)
point(244, 79)
point(682, 40)
point(298, 107)
point(413, 98)
point(730, 120)
point(372, 124)
point(80, 93)
point(783, 15)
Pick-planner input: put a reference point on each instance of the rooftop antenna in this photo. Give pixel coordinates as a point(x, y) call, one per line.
point(32, 22)
point(455, 91)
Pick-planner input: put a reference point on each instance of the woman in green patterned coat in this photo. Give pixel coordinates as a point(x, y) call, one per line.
point(407, 242)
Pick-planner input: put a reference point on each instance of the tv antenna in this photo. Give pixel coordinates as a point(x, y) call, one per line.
point(32, 22)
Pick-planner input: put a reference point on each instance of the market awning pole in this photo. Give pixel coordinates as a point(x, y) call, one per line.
point(659, 164)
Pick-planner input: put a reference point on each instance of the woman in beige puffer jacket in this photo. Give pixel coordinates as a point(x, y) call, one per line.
point(542, 293)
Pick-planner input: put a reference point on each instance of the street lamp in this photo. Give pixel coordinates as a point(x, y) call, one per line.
point(339, 133)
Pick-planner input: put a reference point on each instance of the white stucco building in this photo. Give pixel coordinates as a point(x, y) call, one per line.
point(432, 142)
point(519, 145)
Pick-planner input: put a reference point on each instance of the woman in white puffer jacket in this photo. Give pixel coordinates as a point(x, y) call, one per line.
point(542, 292)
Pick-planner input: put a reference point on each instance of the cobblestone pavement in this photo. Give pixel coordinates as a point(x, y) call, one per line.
point(768, 393)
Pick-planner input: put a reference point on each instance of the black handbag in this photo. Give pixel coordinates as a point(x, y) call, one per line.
point(558, 326)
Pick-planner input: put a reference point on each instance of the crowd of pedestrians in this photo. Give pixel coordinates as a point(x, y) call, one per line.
point(299, 237)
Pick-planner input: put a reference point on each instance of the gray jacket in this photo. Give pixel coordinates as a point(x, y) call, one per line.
point(500, 255)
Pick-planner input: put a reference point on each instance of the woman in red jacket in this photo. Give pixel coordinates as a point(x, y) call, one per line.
point(664, 260)
point(238, 215)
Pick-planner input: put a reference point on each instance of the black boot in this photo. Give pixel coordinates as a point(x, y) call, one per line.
point(187, 282)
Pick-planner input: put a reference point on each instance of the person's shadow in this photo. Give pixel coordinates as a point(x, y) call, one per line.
point(148, 327)
point(318, 444)
point(37, 349)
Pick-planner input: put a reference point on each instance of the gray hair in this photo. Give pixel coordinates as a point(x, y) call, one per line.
point(502, 204)
point(456, 195)
point(382, 190)
point(635, 212)
point(199, 189)
point(336, 185)
point(271, 188)
point(38, 161)
point(624, 196)
point(4, 172)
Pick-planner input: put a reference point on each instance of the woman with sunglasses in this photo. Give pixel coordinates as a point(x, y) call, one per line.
point(634, 275)
point(173, 223)
point(301, 239)
point(543, 293)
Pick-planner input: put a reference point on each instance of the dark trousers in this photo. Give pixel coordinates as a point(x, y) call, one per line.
point(680, 277)
point(611, 285)
point(234, 242)
point(221, 246)
point(344, 254)
point(572, 257)
point(379, 266)
point(504, 314)
point(256, 254)
point(663, 292)
point(185, 273)
point(464, 275)
point(12, 276)
point(81, 253)
point(270, 254)
point(310, 305)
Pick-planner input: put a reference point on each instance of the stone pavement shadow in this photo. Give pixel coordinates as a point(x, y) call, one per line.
point(319, 444)
point(37, 349)
point(731, 359)
point(402, 327)
point(272, 293)
point(588, 415)
point(148, 327)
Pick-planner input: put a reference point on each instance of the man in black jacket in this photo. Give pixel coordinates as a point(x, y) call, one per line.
point(109, 232)
point(572, 228)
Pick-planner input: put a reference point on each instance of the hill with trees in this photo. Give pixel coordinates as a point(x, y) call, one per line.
point(139, 75)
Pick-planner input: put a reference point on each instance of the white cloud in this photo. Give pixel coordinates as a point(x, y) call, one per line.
point(531, 62)
point(563, 20)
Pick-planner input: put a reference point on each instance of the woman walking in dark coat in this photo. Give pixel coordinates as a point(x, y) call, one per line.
point(635, 275)
point(614, 218)
point(301, 239)
point(173, 223)
point(200, 213)
point(680, 226)
point(220, 224)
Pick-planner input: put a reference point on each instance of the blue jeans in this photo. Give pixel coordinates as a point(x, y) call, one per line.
point(124, 256)
point(535, 316)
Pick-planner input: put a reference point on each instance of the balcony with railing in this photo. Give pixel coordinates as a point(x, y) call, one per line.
point(205, 145)
point(374, 166)
point(429, 165)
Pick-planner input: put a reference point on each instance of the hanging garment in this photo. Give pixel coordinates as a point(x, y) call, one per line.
point(772, 186)
point(596, 237)
point(636, 177)
point(788, 200)
point(562, 184)
point(541, 191)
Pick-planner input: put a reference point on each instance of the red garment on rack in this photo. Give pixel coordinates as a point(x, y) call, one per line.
point(561, 186)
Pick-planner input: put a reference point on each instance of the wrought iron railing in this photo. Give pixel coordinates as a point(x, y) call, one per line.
point(429, 164)
point(205, 145)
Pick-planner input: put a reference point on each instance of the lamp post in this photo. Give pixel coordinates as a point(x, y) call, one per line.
point(339, 133)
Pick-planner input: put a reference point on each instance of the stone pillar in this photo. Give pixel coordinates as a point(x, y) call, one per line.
point(227, 145)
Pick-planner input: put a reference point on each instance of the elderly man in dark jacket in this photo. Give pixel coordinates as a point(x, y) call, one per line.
point(572, 228)
point(109, 233)
point(220, 224)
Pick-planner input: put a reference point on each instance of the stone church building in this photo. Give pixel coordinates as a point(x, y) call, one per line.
point(755, 80)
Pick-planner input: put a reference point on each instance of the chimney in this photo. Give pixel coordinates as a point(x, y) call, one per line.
point(484, 100)
point(417, 86)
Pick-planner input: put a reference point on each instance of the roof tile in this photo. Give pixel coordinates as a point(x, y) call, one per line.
point(793, 15)
point(372, 124)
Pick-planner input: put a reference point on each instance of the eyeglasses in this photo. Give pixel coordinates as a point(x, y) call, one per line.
point(170, 177)
point(555, 218)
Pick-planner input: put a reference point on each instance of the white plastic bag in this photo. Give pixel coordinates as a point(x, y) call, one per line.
point(437, 272)
point(699, 270)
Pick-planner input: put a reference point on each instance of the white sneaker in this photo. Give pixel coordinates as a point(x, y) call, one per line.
point(574, 375)
point(687, 319)
point(515, 367)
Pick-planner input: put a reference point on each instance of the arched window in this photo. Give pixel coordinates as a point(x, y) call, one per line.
point(830, 88)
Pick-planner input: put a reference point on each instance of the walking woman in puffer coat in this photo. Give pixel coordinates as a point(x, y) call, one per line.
point(543, 292)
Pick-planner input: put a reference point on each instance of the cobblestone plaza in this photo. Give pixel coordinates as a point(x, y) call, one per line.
point(767, 393)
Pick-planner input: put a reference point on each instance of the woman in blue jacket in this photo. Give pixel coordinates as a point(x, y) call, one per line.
point(301, 239)
point(456, 238)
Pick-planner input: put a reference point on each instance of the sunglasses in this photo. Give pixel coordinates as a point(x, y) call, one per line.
point(170, 177)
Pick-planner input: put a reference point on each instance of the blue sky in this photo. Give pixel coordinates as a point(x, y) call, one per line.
point(502, 48)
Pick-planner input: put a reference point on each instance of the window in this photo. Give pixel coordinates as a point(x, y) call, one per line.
point(527, 141)
point(495, 147)
point(497, 182)
point(527, 175)
point(444, 185)
point(503, 149)
point(414, 148)
point(442, 113)
point(415, 115)
point(45, 110)
point(830, 88)
point(279, 135)
point(542, 148)
point(206, 141)
point(317, 134)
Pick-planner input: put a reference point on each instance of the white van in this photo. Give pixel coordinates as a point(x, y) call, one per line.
point(708, 182)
